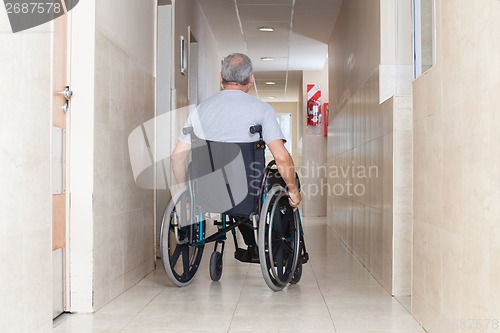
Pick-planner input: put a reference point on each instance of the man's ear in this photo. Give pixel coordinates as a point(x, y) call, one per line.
point(220, 77)
point(252, 79)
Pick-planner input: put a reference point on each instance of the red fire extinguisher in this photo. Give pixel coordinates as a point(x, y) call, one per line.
point(313, 112)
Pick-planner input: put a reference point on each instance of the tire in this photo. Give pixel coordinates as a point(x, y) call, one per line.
point(279, 239)
point(180, 259)
point(297, 275)
point(216, 266)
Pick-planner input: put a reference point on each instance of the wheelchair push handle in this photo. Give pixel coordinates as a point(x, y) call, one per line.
point(253, 129)
point(187, 130)
point(256, 129)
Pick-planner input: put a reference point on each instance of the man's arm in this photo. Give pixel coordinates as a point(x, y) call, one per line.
point(178, 159)
point(286, 168)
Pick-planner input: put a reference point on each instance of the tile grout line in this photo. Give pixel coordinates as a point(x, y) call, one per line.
point(323, 297)
point(238, 301)
point(134, 316)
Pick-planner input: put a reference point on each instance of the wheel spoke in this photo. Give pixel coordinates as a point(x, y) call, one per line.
point(179, 260)
point(175, 256)
point(185, 260)
point(279, 261)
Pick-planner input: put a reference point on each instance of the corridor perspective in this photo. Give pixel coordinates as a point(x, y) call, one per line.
point(342, 297)
point(390, 111)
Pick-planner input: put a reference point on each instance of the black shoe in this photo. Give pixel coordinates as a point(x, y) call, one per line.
point(250, 255)
point(254, 253)
point(242, 255)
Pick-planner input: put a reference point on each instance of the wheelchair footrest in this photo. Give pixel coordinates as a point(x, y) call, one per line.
point(305, 258)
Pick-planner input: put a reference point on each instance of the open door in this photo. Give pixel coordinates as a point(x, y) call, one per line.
point(60, 107)
point(193, 68)
point(163, 106)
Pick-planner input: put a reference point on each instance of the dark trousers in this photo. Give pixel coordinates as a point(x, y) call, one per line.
point(247, 233)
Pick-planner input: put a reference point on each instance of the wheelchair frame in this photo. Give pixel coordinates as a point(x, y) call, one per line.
point(280, 243)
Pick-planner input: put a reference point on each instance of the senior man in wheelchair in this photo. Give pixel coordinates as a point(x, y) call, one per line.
point(226, 117)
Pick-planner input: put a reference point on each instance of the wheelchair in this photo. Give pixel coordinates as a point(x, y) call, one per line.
point(215, 186)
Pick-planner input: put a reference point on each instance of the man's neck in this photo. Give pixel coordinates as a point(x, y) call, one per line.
point(236, 86)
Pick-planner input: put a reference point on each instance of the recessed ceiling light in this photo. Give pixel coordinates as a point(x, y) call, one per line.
point(270, 82)
point(266, 29)
point(267, 58)
point(271, 97)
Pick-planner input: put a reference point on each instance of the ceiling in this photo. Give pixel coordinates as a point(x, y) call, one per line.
point(299, 41)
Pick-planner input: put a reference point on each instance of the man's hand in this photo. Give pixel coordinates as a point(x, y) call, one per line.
point(178, 162)
point(294, 198)
point(286, 168)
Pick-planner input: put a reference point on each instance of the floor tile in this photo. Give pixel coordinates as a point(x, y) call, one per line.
point(336, 294)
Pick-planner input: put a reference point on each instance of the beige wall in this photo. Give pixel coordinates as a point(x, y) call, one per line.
point(369, 167)
point(456, 270)
point(370, 139)
point(312, 175)
point(300, 124)
point(354, 50)
point(123, 211)
point(25, 182)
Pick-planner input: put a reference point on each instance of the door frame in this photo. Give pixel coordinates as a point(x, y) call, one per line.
point(80, 182)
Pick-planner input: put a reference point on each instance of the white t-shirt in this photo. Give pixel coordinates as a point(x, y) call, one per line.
point(228, 115)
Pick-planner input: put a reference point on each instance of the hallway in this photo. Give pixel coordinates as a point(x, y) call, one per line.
point(336, 294)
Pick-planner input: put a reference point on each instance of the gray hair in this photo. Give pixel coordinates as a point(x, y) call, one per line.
point(237, 68)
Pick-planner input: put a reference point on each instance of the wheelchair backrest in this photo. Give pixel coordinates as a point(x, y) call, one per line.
point(226, 177)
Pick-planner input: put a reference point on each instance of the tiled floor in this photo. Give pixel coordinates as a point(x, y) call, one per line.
point(336, 294)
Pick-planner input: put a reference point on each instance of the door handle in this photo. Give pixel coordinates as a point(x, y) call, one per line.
point(67, 93)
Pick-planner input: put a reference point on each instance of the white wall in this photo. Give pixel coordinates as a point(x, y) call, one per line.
point(111, 218)
point(188, 13)
point(163, 105)
point(25, 181)
point(82, 157)
point(293, 108)
point(209, 56)
point(185, 14)
point(130, 26)
point(164, 59)
point(396, 58)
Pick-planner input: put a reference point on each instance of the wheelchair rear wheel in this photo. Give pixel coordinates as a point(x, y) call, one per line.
point(298, 273)
point(179, 257)
point(279, 239)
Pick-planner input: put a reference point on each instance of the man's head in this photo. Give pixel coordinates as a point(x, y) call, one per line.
point(236, 70)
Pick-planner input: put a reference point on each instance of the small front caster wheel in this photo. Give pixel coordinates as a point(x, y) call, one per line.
point(216, 266)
